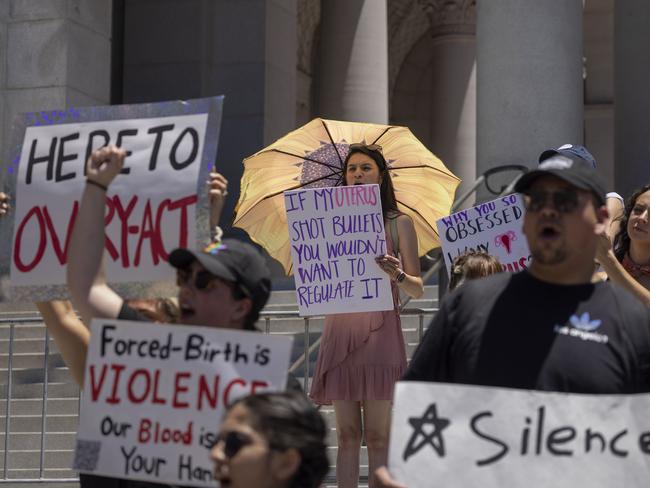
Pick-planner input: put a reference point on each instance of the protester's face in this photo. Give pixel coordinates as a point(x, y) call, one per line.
point(242, 456)
point(638, 227)
point(361, 170)
point(560, 223)
point(210, 303)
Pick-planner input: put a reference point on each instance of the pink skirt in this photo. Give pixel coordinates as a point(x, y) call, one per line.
point(361, 357)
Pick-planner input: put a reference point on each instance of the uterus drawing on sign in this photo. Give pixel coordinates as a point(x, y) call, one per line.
point(506, 240)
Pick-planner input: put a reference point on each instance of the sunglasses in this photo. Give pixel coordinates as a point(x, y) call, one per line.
point(201, 280)
point(563, 201)
point(233, 442)
point(369, 147)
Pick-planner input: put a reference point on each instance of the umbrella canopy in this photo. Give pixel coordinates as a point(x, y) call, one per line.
point(312, 157)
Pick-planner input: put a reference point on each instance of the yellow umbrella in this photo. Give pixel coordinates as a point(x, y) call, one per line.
point(312, 157)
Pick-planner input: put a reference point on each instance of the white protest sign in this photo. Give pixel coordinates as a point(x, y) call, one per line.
point(335, 235)
point(458, 435)
point(151, 205)
point(154, 396)
point(493, 227)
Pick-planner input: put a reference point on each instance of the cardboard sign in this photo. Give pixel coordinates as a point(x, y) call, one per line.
point(335, 235)
point(154, 396)
point(453, 435)
point(493, 227)
point(151, 206)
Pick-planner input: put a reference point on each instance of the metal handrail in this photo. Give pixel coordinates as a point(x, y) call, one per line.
point(266, 317)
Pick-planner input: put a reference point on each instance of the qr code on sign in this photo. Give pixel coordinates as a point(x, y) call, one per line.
point(86, 455)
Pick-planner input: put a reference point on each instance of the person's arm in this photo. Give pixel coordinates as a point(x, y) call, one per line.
point(70, 334)
point(88, 288)
point(408, 250)
point(615, 208)
point(616, 272)
point(217, 190)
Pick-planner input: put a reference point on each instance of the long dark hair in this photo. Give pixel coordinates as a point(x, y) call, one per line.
point(289, 420)
point(622, 238)
point(386, 190)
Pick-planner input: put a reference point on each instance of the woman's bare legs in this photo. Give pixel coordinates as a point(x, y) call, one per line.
point(376, 424)
point(348, 432)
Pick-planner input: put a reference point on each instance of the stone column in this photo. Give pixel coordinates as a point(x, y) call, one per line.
point(52, 55)
point(453, 85)
point(353, 70)
point(631, 95)
point(199, 48)
point(529, 79)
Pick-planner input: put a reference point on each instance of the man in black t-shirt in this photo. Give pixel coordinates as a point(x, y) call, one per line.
point(548, 327)
point(225, 285)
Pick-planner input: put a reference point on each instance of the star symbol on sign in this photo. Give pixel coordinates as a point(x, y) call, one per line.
point(427, 430)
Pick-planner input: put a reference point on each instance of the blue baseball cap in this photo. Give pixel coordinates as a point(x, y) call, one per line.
point(570, 151)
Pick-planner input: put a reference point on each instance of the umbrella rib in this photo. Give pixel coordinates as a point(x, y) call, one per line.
point(418, 213)
point(330, 166)
point(332, 140)
point(424, 166)
point(382, 134)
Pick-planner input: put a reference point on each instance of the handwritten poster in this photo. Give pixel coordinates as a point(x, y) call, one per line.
point(151, 206)
point(335, 235)
point(493, 227)
point(458, 435)
point(154, 396)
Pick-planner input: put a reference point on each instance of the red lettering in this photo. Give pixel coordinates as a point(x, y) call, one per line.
point(124, 215)
point(143, 432)
point(145, 393)
point(22, 267)
point(257, 385)
point(117, 368)
point(94, 387)
point(108, 244)
point(183, 230)
point(61, 254)
point(178, 388)
point(226, 393)
point(205, 393)
point(160, 248)
point(156, 399)
point(148, 231)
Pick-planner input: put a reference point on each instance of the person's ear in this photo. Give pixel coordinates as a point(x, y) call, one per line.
point(285, 464)
point(602, 219)
point(242, 308)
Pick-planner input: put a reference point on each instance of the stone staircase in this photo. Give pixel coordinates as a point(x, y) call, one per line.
point(26, 416)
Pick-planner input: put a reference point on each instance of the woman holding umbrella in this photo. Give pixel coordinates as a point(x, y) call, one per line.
point(362, 355)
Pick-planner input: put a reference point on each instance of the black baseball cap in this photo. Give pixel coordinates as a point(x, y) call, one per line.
point(573, 169)
point(569, 150)
point(231, 260)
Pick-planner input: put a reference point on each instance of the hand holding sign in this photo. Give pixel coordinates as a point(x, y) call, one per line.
point(217, 190)
point(105, 164)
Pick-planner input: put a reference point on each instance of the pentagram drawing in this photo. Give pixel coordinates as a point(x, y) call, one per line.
point(420, 438)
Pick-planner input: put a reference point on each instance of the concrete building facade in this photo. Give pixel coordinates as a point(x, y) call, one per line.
point(481, 82)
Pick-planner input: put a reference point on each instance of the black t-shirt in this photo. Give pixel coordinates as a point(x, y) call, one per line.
point(517, 331)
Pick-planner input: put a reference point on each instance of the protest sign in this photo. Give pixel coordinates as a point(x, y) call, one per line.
point(335, 235)
point(154, 396)
point(157, 203)
point(459, 435)
point(493, 227)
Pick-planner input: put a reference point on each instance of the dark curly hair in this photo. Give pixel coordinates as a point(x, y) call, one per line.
point(386, 189)
point(289, 420)
point(622, 239)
